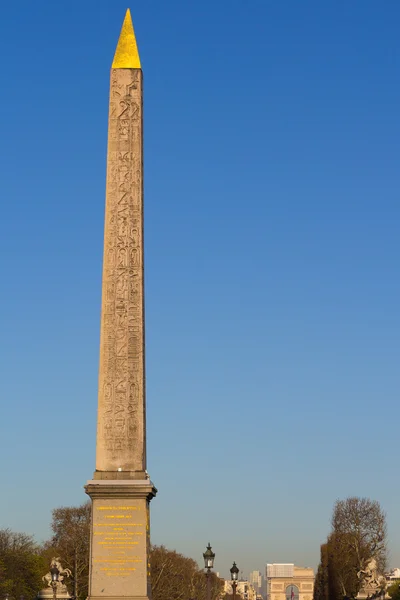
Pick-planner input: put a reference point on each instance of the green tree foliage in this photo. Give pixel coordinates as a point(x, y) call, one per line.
point(329, 583)
point(21, 565)
point(394, 590)
point(71, 541)
point(342, 567)
point(176, 577)
point(321, 584)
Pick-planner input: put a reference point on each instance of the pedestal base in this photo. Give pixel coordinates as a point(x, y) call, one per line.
point(47, 593)
point(120, 539)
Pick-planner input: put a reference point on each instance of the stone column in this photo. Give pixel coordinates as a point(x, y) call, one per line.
point(121, 426)
point(121, 489)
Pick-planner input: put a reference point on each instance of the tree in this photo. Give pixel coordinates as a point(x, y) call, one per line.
point(321, 584)
point(199, 586)
point(330, 581)
point(358, 534)
point(342, 568)
point(21, 565)
point(71, 542)
point(359, 526)
point(176, 577)
point(394, 590)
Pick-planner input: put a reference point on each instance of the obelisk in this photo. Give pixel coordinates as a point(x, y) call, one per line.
point(121, 489)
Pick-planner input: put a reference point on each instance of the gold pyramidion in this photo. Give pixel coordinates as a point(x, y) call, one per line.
point(127, 55)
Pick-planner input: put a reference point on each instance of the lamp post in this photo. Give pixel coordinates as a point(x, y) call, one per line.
point(234, 577)
point(208, 556)
point(54, 572)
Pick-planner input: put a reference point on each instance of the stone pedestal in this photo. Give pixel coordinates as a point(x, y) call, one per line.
point(367, 592)
point(119, 555)
point(47, 593)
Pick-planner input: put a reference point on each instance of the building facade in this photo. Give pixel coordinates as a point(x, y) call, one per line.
point(393, 575)
point(288, 582)
point(244, 589)
point(255, 578)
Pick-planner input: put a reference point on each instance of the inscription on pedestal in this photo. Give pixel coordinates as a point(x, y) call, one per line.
point(117, 531)
point(120, 546)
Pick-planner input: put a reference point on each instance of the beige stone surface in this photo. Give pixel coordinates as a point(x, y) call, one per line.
point(279, 588)
point(119, 555)
point(121, 489)
point(121, 426)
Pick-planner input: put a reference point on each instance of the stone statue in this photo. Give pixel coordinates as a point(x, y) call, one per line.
point(55, 562)
point(369, 577)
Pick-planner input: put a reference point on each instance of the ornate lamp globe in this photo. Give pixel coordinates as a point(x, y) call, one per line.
point(208, 556)
point(234, 572)
point(54, 572)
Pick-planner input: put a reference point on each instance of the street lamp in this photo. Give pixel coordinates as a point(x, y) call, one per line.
point(54, 572)
point(208, 556)
point(234, 577)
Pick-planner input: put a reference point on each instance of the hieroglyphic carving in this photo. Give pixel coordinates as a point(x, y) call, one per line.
point(121, 419)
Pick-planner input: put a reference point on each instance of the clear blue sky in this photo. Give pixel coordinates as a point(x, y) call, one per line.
point(272, 241)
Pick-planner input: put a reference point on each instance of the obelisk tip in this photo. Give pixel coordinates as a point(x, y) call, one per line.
point(127, 55)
